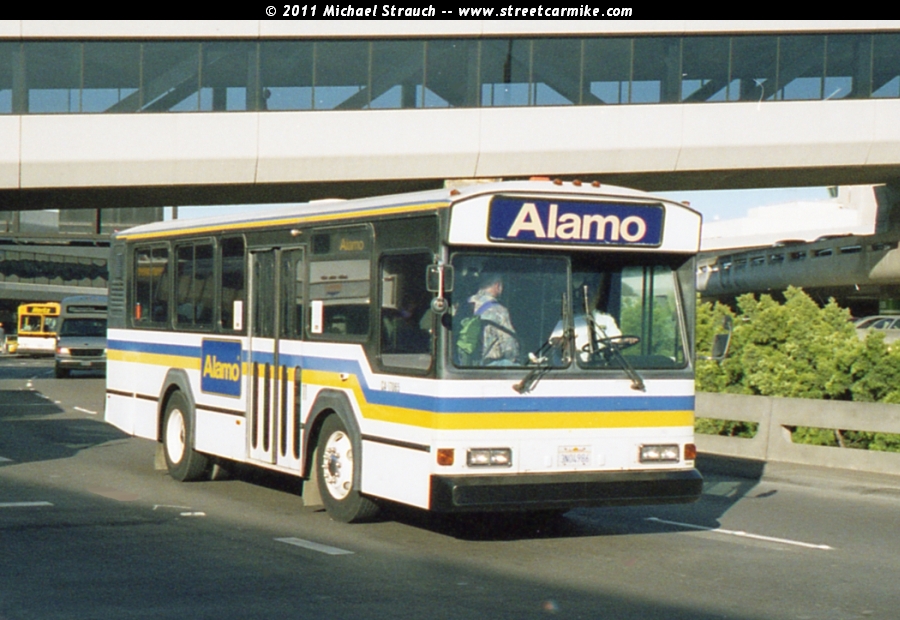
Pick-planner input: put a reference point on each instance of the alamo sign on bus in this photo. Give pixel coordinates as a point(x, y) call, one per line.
point(220, 367)
point(571, 222)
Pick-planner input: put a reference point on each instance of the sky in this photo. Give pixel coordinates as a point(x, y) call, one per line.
point(729, 204)
point(713, 204)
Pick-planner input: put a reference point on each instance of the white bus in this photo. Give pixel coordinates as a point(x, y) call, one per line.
point(515, 346)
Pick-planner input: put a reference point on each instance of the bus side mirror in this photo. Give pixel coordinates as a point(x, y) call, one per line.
point(721, 342)
point(439, 279)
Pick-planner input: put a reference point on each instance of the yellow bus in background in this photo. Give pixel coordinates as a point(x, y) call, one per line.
point(38, 323)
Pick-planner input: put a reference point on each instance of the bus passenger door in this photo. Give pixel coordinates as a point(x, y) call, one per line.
point(274, 430)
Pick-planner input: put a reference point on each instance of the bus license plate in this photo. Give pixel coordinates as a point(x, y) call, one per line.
point(574, 456)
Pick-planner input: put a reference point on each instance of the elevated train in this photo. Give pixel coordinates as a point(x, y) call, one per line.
point(859, 271)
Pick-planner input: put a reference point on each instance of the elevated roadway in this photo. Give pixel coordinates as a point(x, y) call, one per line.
point(701, 128)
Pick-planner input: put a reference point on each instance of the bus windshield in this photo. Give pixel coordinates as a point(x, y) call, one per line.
point(514, 311)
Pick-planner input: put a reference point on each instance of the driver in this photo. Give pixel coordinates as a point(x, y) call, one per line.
point(500, 347)
point(604, 324)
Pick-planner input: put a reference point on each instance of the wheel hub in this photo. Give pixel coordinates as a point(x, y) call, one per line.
point(337, 465)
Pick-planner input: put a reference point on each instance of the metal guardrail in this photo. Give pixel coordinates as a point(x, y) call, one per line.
point(772, 442)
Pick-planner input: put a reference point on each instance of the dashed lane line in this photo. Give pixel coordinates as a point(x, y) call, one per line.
point(23, 504)
point(716, 530)
point(83, 410)
point(314, 546)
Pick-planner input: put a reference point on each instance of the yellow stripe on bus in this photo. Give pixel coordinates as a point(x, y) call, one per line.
point(494, 420)
point(157, 359)
point(451, 420)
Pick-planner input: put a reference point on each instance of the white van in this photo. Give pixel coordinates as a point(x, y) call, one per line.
point(81, 343)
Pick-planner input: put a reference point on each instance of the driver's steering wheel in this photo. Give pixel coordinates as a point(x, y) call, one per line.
point(622, 341)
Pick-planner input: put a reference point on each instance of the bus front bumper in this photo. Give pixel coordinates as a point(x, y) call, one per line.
point(563, 490)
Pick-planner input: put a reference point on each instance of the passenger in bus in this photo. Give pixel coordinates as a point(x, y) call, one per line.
point(500, 346)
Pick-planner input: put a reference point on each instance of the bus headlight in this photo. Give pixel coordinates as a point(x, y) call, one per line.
point(62, 350)
point(489, 457)
point(667, 453)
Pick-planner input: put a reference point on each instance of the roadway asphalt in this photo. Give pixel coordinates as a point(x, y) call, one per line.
point(90, 530)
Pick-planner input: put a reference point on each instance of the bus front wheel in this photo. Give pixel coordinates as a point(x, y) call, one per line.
point(183, 463)
point(338, 483)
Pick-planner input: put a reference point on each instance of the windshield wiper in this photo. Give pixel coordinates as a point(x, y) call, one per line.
point(543, 356)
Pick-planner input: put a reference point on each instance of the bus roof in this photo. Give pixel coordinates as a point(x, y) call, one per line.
point(336, 210)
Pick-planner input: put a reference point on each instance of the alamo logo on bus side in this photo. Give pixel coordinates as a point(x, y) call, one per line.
point(574, 222)
point(220, 367)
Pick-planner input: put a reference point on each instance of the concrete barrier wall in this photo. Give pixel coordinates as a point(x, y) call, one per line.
point(773, 440)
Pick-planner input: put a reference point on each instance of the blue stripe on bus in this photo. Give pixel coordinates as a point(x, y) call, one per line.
point(439, 404)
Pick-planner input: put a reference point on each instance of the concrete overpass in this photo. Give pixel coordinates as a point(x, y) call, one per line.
point(215, 113)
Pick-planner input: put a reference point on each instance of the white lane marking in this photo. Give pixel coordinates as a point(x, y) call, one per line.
point(192, 514)
point(83, 410)
point(23, 504)
point(715, 530)
point(314, 546)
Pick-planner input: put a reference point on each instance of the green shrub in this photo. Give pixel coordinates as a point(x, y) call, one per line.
point(800, 350)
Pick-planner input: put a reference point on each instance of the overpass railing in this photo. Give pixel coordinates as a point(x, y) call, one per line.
point(777, 416)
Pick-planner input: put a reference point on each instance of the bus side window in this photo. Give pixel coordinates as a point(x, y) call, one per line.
point(342, 287)
point(232, 284)
point(194, 286)
point(406, 320)
point(151, 286)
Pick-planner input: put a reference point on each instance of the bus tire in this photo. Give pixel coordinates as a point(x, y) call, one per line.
point(336, 476)
point(182, 461)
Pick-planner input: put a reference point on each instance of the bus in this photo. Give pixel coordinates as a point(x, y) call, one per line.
point(37, 326)
point(81, 341)
point(510, 346)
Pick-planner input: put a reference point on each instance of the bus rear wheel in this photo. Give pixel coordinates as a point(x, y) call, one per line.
point(338, 483)
point(184, 464)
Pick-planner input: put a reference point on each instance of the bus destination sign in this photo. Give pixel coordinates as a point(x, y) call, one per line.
point(533, 220)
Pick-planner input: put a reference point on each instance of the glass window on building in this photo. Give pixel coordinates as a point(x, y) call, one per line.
point(607, 71)
point(341, 78)
point(53, 77)
point(286, 75)
point(112, 77)
point(451, 73)
point(398, 74)
point(753, 68)
point(228, 77)
point(170, 78)
point(506, 72)
point(801, 67)
point(886, 65)
point(9, 60)
point(556, 71)
point(704, 69)
point(656, 74)
point(848, 66)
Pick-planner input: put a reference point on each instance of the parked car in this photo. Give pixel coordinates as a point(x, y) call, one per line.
point(888, 325)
